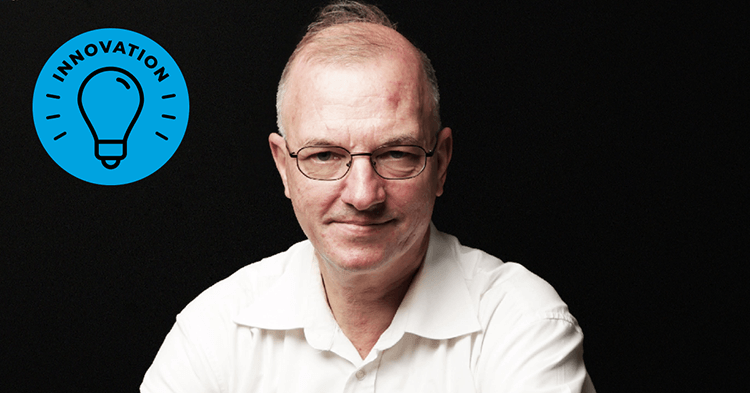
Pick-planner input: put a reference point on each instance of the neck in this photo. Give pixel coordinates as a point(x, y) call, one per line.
point(364, 303)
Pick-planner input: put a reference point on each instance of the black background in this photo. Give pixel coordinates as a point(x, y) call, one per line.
point(598, 143)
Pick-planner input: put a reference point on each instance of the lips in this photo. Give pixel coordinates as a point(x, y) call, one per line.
point(357, 228)
point(362, 223)
point(362, 219)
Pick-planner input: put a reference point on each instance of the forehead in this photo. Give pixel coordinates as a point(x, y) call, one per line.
point(380, 98)
point(355, 80)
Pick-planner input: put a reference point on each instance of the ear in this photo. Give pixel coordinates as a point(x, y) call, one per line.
point(443, 153)
point(281, 157)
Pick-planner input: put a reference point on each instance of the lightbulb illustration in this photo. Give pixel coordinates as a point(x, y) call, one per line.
point(110, 100)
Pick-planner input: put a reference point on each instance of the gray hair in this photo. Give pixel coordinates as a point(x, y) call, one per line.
point(355, 45)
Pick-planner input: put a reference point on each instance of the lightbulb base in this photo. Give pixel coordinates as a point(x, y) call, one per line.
point(110, 152)
point(110, 164)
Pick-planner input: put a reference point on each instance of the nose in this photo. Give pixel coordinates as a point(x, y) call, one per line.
point(363, 188)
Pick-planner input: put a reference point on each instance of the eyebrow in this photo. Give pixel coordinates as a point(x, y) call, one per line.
point(400, 140)
point(318, 142)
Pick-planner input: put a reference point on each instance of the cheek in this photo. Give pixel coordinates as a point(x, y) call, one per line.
point(310, 199)
point(414, 200)
point(302, 199)
point(305, 210)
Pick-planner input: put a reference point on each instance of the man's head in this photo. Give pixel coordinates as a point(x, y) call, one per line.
point(352, 45)
point(360, 85)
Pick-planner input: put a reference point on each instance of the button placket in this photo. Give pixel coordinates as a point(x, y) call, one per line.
point(363, 377)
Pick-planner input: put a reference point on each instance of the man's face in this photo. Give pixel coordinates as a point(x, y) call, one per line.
point(362, 222)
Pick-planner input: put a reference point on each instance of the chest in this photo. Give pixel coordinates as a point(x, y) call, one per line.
point(283, 362)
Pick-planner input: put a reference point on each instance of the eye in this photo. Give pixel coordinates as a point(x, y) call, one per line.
point(396, 154)
point(324, 156)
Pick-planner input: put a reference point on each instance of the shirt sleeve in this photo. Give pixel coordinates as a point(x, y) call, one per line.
point(530, 342)
point(181, 366)
point(543, 357)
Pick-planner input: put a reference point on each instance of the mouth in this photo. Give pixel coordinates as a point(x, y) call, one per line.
point(362, 226)
point(362, 223)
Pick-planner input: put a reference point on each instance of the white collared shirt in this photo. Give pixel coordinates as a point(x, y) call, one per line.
point(469, 323)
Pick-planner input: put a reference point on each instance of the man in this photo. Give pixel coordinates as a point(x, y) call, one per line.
point(377, 299)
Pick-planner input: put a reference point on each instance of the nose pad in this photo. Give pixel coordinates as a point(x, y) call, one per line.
point(364, 190)
point(369, 159)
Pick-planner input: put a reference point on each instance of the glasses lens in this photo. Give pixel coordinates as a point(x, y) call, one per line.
point(399, 162)
point(323, 163)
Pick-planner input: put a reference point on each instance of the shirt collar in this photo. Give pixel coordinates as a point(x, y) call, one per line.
point(296, 300)
point(437, 306)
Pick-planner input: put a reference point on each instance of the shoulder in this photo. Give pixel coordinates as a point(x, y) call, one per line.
point(506, 286)
point(223, 300)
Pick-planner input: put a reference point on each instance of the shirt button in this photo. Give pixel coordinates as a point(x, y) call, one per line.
point(360, 374)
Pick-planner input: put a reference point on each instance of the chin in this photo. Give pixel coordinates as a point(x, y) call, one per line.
point(357, 260)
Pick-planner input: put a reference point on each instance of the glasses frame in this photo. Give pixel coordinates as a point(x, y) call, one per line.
point(427, 154)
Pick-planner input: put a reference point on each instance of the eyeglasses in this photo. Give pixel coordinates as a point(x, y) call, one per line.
point(389, 162)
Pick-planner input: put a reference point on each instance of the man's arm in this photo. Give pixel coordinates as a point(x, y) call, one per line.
point(180, 367)
point(545, 356)
point(531, 342)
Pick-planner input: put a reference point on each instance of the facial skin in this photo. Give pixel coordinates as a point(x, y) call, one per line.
point(362, 224)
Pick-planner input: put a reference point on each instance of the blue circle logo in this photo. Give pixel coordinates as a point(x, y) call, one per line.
point(110, 106)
